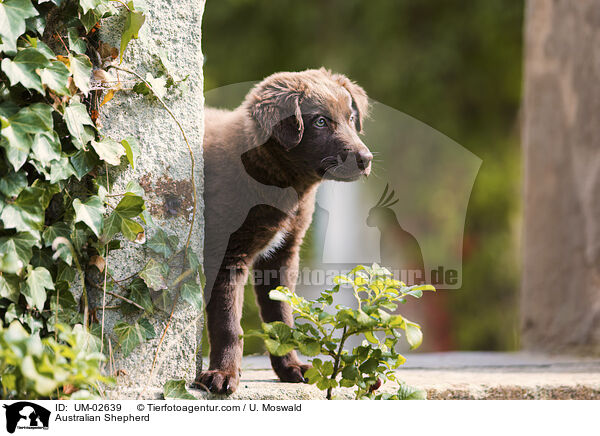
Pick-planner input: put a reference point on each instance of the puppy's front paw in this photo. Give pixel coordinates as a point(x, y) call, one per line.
point(290, 370)
point(218, 381)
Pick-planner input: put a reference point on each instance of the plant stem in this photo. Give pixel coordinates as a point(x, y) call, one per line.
point(105, 273)
point(125, 299)
point(336, 362)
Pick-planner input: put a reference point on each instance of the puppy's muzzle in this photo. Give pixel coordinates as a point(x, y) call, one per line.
point(363, 161)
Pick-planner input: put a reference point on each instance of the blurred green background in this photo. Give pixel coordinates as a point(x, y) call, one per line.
point(453, 65)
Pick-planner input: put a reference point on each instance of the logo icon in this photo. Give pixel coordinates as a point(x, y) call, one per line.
point(399, 248)
point(26, 415)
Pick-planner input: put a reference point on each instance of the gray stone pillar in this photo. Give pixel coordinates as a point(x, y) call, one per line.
point(163, 169)
point(560, 303)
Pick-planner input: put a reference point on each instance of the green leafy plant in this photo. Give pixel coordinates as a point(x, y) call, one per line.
point(31, 367)
point(59, 220)
point(323, 329)
point(176, 390)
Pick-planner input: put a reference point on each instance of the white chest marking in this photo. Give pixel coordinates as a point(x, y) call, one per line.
point(275, 243)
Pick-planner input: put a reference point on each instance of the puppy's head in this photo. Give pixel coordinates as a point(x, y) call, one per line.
point(315, 117)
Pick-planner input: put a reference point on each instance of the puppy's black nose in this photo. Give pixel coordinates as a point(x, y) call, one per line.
point(363, 159)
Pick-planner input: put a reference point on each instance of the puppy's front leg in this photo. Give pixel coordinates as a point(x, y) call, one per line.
point(223, 315)
point(280, 269)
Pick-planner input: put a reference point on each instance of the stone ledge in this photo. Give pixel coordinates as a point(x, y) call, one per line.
point(445, 376)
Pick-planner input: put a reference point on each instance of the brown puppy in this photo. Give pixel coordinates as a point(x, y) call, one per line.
point(263, 163)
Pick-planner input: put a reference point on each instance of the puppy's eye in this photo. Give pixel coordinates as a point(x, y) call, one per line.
point(320, 122)
point(352, 118)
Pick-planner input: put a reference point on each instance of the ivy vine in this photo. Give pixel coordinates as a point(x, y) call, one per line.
point(59, 220)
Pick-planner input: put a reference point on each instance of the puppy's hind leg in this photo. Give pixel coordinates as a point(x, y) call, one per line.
point(280, 269)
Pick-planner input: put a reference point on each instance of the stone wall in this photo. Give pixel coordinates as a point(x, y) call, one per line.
point(560, 302)
point(172, 28)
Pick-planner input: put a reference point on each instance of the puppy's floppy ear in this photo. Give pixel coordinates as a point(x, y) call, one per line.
point(276, 109)
point(360, 101)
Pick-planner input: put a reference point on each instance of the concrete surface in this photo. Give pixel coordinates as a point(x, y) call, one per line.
point(469, 375)
point(164, 172)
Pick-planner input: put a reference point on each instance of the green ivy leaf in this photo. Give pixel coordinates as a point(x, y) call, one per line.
point(34, 288)
point(65, 274)
point(134, 188)
point(176, 390)
point(83, 162)
point(16, 144)
point(109, 150)
point(9, 287)
point(26, 213)
point(60, 169)
point(163, 300)
point(132, 230)
point(36, 24)
point(90, 213)
point(56, 77)
point(80, 236)
point(42, 257)
point(139, 293)
point(59, 229)
point(193, 261)
point(13, 14)
point(112, 226)
point(141, 88)
point(133, 24)
point(132, 149)
point(76, 44)
point(158, 85)
point(9, 261)
point(46, 147)
point(89, 19)
point(120, 220)
point(147, 328)
point(130, 206)
point(192, 293)
point(13, 184)
point(160, 244)
point(17, 131)
point(77, 120)
point(87, 5)
point(81, 67)
point(16, 251)
point(41, 46)
point(22, 69)
point(131, 335)
point(152, 274)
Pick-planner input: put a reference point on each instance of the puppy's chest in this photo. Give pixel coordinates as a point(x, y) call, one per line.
point(273, 244)
point(270, 231)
